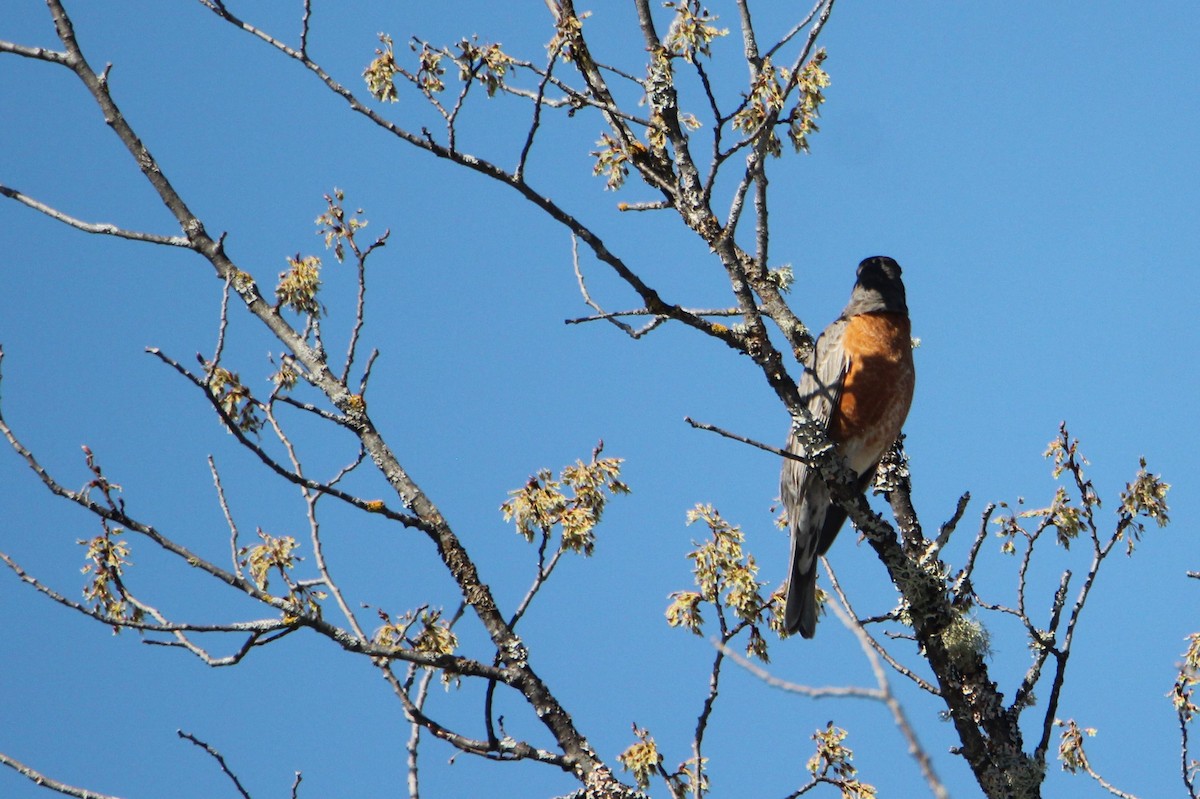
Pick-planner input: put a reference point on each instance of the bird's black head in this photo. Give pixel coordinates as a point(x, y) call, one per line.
point(879, 287)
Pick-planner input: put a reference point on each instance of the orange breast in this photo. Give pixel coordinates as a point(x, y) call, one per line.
point(878, 388)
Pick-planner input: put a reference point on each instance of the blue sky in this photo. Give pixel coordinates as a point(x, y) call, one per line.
point(1032, 167)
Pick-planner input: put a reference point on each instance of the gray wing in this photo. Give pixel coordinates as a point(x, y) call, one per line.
point(813, 520)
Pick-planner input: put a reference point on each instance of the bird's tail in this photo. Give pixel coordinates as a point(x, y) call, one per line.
point(800, 609)
point(813, 529)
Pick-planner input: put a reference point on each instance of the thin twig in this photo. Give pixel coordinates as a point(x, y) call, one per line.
point(224, 503)
point(100, 228)
point(311, 498)
point(714, 684)
point(587, 297)
point(945, 531)
point(900, 669)
point(260, 626)
point(414, 738)
point(274, 465)
point(1108, 786)
point(869, 648)
point(543, 574)
point(361, 300)
point(309, 407)
point(508, 749)
point(962, 583)
point(42, 780)
point(187, 736)
point(1187, 766)
point(538, 102)
point(814, 692)
point(646, 312)
point(795, 30)
point(222, 326)
point(251, 642)
point(1042, 643)
point(742, 439)
point(305, 21)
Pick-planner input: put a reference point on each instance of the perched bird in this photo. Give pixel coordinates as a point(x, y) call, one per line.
point(858, 385)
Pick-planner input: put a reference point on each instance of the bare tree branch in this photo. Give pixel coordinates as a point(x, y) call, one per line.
point(864, 636)
point(101, 228)
point(215, 755)
point(947, 529)
point(233, 530)
point(651, 298)
point(36, 53)
point(258, 627)
point(873, 651)
point(962, 582)
point(578, 755)
point(503, 749)
point(813, 692)
point(235, 429)
point(48, 782)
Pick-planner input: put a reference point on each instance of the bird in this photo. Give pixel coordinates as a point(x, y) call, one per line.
point(858, 386)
